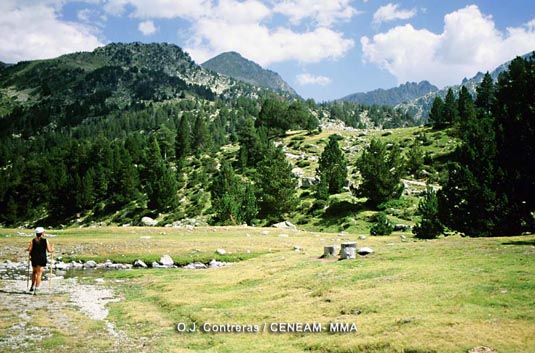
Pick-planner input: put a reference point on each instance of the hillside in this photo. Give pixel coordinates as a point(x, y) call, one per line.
point(393, 96)
point(234, 65)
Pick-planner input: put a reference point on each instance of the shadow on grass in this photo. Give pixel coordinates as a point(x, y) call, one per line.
point(338, 210)
point(520, 242)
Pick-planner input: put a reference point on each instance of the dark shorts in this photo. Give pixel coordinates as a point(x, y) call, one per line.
point(39, 261)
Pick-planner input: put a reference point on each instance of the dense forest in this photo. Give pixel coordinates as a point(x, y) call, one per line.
point(140, 130)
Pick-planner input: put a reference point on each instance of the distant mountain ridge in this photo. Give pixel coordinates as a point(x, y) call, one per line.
point(393, 96)
point(234, 65)
point(420, 107)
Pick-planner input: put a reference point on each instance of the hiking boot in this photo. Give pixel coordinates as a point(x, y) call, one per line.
point(31, 289)
point(35, 291)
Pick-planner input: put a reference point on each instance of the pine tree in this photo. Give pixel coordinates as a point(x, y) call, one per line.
point(273, 115)
point(232, 199)
point(332, 168)
point(183, 139)
point(382, 225)
point(201, 140)
point(436, 115)
point(415, 158)
point(381, 172)
point(466, 108)
point(430, 226)
point(486, 97)
point(515, 133)
point(160, 183)
point(276, 187)
point(450, 112)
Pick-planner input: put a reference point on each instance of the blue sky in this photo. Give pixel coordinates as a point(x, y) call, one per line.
point(325, 49)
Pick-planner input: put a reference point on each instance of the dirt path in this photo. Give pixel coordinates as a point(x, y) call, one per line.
point(68, 315)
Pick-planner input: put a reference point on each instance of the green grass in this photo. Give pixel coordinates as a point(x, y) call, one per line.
point(445, 295)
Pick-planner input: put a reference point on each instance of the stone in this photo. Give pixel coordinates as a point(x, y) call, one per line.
point(482, 349)
point(216, 264)
point(140, 264)
point(167, 261)
point(221, 251)
point(61, 266)
point(365, 251)
point(156, 265)
point(264, 232)
point(284, 225)
point(348, 250)
point(401, 227)
point(307, 182)
point(297, 248)
point(147, 221)
point(298, 172)
point(196, 266)
point(90, 264)
point(330, 250)
point(362, 237)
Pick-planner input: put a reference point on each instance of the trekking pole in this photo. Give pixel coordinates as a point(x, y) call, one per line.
point(51, 271)
point(28, 274)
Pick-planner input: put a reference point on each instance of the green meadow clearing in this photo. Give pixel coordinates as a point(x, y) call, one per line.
point(445, 295)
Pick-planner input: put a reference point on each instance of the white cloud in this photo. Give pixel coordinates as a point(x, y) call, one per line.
point(390, 12)
point(266, 46)
point(323, 12)
point(35, 31)
point(469, 43)
point(147, 28)
point(309, 79)
point(159, 8)
point(244, 26)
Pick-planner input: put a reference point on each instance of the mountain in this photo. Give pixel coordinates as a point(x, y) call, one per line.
point(404, 93)
point(234, 65)
point(419, 107)
point(72, 88)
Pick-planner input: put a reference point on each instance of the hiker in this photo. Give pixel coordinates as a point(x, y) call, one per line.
point(37, 249)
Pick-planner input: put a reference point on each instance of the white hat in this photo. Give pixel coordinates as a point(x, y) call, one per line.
point(39, 230)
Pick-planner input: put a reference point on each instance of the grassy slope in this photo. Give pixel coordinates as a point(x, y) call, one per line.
point(345, 212)
point(446, 295)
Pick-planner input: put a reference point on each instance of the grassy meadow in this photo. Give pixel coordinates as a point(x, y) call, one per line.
point(445, 295)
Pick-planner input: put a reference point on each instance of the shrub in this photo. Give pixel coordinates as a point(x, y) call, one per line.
point(382, 225)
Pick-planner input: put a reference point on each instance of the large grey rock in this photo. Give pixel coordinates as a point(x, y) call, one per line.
point(284, 225)
point(147, 221)
point(90, 264)
point(216, 264)
point(140, 264)
point(167, 261)
point(221, 251)
point(348, 250)
point(196, 266)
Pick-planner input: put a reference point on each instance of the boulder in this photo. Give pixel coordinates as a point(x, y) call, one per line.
point(216, 264)
point(147, 221)
point(329, 250)
point(348, 250)
point(196, 266)
point(284, 225)
point(221, 251)
point(167, 261)
point(90, 264)
point(140, 264)
point(364, 251)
